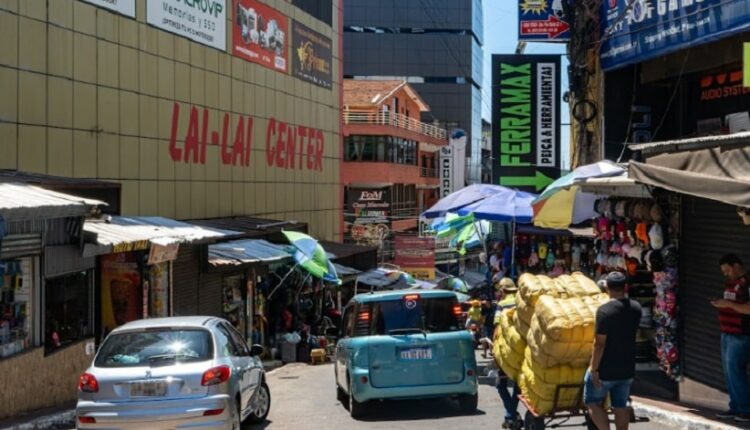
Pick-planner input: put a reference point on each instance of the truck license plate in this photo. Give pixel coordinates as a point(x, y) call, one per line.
point(416, 354)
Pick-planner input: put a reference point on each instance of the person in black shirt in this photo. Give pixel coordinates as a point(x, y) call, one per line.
point(613, 362)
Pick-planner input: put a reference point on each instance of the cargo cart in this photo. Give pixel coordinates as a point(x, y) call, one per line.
point(559, 416)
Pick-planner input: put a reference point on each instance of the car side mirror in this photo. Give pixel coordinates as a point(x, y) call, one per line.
point(256, 351)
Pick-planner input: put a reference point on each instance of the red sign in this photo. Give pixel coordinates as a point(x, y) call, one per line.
point(260, 34)
point(552, 27)
point(716, 86)
point(288, 146)
point(415, 252)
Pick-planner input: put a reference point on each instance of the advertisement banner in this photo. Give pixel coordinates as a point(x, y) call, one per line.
point(446, 171)
point(525, 121)
point(260, 34)
point(368, 215)
point(203, 21)
point(311, 60)
point(121, 289)
point(542, 21)
point(163, 253)
point(652, 28)
point(416, 256)
point(124, 7)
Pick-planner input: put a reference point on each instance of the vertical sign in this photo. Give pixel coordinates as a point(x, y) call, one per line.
point(525, 121)
point(260, 34)
point(446, 171)
point(368, 215)
point(746, 64)
point(312, 58)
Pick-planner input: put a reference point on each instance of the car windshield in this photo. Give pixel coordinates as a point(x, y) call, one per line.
point(152, 347)
point(415, 315)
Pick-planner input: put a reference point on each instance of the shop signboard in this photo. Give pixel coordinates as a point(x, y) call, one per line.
point(203, 21)
point(312, 58)
point(542, 21)
point(416, 256)
point(446, 171)
point(120, 289)
point(746, 64)
point(163, 253)
point(368, 216)
point(260, 34)
point(124, 7)
point(526, 121)
point(652, 28)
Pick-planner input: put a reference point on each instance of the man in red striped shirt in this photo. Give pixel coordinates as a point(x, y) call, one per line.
point(734, 319)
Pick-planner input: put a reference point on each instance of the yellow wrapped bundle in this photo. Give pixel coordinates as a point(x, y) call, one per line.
point(509, 346)
point(549, 352)
point(577, 285)
point(539, 383)
point(531, 288)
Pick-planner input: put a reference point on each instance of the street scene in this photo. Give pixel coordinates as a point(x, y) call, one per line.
point(507, 214)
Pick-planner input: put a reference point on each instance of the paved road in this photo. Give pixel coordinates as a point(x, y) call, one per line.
point(304, 396)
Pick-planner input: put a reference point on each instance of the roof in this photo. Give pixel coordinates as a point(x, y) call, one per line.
point(20, 201)
point(339, 250)
point(741, 138)
point(170, 322)
point(251, 227)
point(247, 251)
point(7, 175)
point(370, 93)
point(398, 294)
point(118, 232)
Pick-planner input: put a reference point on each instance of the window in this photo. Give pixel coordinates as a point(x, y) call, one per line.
point(430, 315)
point(16, 286)
point(67, 310)
point(224, 342)
point(142, 348)
point(239, 342)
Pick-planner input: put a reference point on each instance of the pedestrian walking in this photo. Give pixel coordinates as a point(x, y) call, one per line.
point(734, 320)
point(507, 388)
point(612, 364)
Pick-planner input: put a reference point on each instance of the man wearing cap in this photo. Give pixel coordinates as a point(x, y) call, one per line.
point(734, 319)
point(612, 364)
point(507, 299)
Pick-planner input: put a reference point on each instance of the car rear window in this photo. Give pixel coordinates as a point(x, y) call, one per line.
point(429, 314)
point(153, 347)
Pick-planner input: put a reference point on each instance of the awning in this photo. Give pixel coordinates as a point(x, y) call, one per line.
point(20, 201)
point(617, 186)
point(123, 233)
point(248, 251)
point(713, 173)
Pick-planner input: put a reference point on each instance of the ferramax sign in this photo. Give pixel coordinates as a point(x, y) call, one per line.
point(204, 21)
point(125, 7)
point(446, 171)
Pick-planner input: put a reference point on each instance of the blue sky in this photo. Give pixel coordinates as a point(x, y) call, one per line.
point(501, 37)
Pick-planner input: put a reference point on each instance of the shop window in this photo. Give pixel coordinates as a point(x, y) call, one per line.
point(234, 305)
point(16, 287)
point(67, 310)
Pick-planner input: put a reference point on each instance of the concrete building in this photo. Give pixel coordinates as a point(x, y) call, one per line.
point(436, 46)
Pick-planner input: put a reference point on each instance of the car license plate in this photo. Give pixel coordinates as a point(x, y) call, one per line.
point(148, 389)
point(416, 354)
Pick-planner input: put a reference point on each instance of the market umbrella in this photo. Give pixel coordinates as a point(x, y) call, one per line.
point(458, 199)
point(457, 285)
point(312, 257)
point(504, 206)
point(451, 224)
point(563, 204)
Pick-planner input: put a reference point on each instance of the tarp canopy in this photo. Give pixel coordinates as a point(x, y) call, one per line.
point(713, 173)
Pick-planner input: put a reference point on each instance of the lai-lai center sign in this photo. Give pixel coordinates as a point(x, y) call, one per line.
point(525, 121)
point(287, 146)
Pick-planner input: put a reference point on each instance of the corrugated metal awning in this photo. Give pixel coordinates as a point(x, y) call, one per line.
point(123, 233)
point(248, 251)
point(22, 201)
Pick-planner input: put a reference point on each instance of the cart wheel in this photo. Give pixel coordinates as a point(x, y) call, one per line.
point(533, 423)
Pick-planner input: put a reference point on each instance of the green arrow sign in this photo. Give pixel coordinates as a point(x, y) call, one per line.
point(539, 181)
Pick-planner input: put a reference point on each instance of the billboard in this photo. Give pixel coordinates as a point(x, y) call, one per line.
point(312, 58)
point(368, 215)
point(202, 21)
point(542, 21)
point(446, 170)
point(652, 28)
point(260, 34)
point(525, 121)
point(124, 7)
point(416, 256)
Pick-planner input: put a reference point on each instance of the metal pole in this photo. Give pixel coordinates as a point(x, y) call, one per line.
point(282, 280)
point(513, 249)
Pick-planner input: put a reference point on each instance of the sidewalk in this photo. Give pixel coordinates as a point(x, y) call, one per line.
point(64, 417)
point(678, 415)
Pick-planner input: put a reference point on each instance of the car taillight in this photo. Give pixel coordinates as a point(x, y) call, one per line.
point(364, 316)
point(212, 412)
point(216, 375)
point(457, 311)
point(88, 383)
point(411, 297)
point(87, 420)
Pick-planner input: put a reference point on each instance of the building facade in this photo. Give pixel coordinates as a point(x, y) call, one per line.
point(436, 46)
point(198, 109)
point(389, 172)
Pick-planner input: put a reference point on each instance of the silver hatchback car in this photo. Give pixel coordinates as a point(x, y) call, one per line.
point(173, 373)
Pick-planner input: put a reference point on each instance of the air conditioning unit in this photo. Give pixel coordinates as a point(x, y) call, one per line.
point(737, 122)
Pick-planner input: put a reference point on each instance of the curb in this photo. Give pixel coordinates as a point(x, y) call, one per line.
point(65, 418)
point(679, 420)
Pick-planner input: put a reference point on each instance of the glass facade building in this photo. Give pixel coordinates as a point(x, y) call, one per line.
point(436, 46)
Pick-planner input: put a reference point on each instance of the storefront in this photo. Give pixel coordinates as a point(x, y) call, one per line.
point(45, 297)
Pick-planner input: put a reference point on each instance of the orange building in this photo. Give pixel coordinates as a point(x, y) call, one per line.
point(389, 173)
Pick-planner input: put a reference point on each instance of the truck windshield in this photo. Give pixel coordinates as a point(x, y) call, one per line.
point(403, 316)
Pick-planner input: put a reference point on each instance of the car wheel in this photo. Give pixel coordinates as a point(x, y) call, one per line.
point(340, 394)
point(468, 403)
point(356, 409)
point(261, 405)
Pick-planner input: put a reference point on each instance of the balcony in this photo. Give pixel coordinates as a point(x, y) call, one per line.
point(365, 117)
point(428, 172)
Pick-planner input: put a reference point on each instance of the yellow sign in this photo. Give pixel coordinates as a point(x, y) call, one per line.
point(420, 273)
point(746, 64)
point(138, 245)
